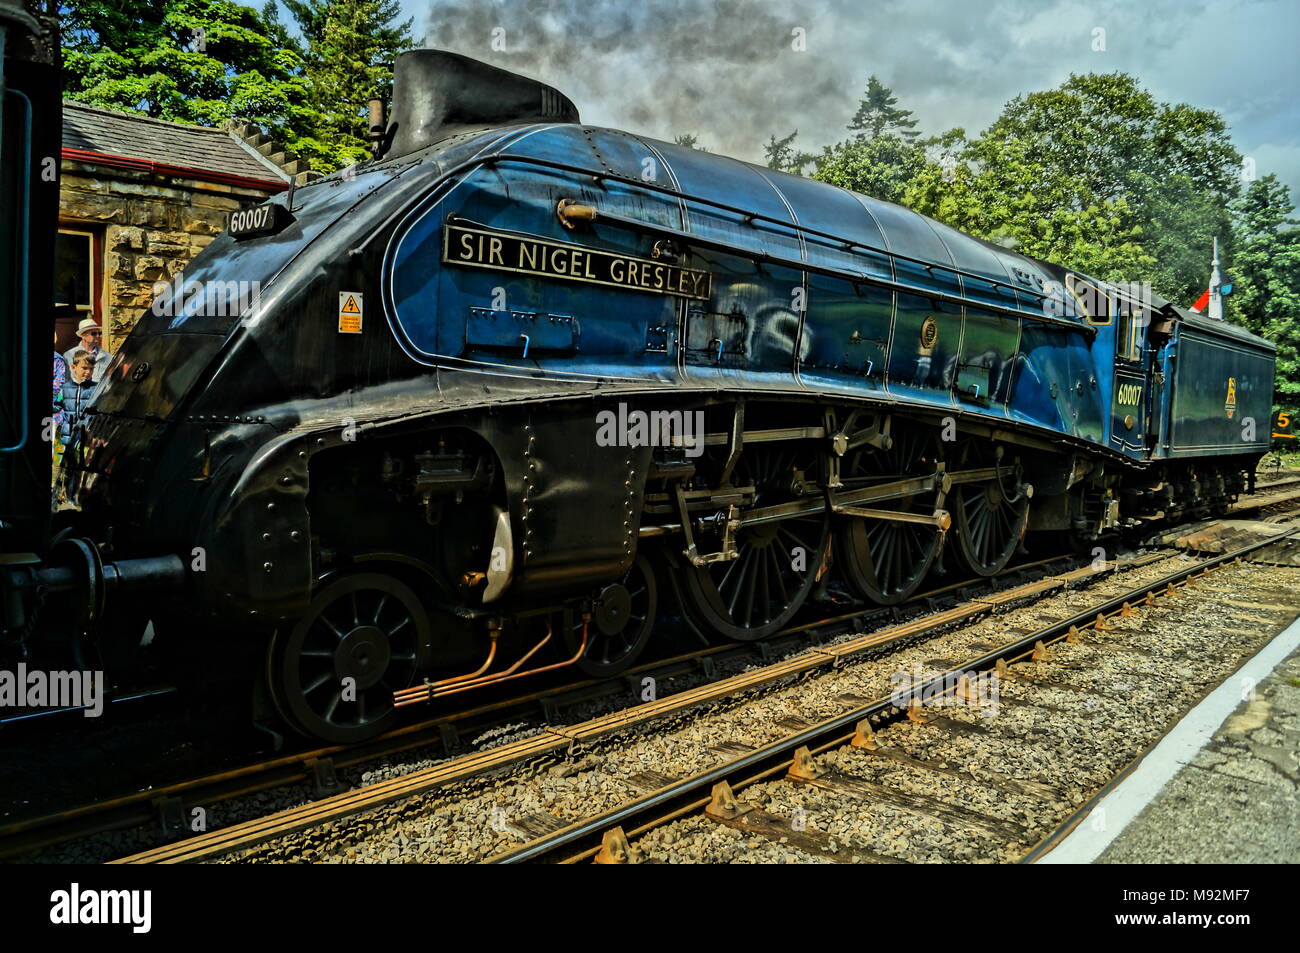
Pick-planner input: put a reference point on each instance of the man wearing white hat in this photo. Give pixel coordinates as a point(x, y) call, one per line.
point(90, 335)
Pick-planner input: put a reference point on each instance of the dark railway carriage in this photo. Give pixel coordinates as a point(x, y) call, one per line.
point(518, 386)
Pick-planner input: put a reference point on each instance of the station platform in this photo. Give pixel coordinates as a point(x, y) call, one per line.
point(1222, 787)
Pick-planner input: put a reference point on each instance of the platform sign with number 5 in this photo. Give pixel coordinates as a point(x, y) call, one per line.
point(1284, 427)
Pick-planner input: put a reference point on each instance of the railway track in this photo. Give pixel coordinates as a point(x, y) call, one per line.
point(1269, 495)
point(803, 757)
point(556, 741)
point(167, 806)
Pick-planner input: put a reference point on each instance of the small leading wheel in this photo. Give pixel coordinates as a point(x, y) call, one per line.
point(622, 620)
point(334, 672)
point(757, 593)
point(885, 561)
point(988, 518)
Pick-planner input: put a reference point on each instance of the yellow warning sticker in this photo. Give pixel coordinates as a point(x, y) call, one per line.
point(1230, 405)
point(350, 312)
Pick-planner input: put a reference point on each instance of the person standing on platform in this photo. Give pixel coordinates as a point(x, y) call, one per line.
point(91, 334)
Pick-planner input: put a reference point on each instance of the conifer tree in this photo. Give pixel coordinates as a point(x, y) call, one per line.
point(878, 113)
point(350, 46)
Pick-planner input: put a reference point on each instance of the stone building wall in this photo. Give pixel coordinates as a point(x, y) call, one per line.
point(152, 226)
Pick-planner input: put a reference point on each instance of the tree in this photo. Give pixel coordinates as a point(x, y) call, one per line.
point(878, 113)
point(689, 141)
point(1096, 175)
point(782, 155)
point(197, 61)
point(1265, 269)
point(350, 48)
point(882, 167)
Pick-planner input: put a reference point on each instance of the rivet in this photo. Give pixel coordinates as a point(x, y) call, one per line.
point(295, 535)
point(270, 507)
point(266, 566)
point(266, 537)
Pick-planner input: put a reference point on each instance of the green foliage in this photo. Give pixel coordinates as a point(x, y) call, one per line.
point(689, 141)
point(206, 61)
point(1265, 271)
point(882, 166)
point(350, 48)
point(782, 155)
point(883, 158)
point(198, 61)
point(878, 113)
point(1107, 164)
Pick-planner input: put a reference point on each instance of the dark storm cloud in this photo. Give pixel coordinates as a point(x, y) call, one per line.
point(693, 65)
point(731, 72)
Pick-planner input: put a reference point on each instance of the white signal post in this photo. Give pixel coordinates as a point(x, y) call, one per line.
point(1216, 299)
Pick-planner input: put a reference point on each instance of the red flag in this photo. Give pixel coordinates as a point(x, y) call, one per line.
point(1202, 301)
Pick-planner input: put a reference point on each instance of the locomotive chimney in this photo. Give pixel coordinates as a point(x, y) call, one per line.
point(436, 92)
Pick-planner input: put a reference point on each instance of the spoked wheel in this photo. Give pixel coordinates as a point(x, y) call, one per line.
point(885, 561)
point(622, 619)
point(757, 593)
point(333, 674)
point(988, 518)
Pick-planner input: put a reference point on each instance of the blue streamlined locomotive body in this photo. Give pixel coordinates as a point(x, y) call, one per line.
point(454, 421)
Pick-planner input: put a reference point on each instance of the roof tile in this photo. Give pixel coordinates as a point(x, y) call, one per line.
point(92, 129)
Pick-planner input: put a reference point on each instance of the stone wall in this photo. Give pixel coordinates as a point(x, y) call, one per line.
point(152, 227)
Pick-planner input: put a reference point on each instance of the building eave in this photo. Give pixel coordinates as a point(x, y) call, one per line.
point(158, 168)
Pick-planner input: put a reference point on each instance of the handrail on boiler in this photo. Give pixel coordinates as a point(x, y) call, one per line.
point(750, 216)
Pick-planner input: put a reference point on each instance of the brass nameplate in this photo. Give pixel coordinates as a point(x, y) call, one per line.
point(502, 251)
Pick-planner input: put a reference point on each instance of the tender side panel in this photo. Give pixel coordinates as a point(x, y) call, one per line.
point(1222, 396)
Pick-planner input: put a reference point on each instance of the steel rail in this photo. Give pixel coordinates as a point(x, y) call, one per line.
point(582, 840)
point(555, 741)
point(142, 807)
point(1053, 838)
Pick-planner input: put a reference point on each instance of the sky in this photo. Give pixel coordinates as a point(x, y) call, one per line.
point(735, 72)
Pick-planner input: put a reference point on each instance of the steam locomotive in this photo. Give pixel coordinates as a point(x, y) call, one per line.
point(509, 392)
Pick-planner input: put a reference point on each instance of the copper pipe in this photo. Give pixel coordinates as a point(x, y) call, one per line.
point(431, 690)
point(375, 108)
point(420, 693)
point(427, 686)
point(498, 676)
point(503, 677)
point(487, 663)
